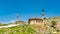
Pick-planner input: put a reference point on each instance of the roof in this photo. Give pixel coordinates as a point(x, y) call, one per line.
point(35, 19)
point(19, 21)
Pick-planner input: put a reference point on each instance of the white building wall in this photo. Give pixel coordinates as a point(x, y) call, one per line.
point(34, 22)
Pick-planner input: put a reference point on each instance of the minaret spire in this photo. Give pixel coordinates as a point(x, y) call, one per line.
point(42, 17)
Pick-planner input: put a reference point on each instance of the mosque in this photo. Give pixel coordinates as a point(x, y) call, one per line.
point(37, 20)
point(32, 21)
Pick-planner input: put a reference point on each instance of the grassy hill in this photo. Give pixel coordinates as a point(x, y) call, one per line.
point(3, 24)
point(33, 29)
point(27, 29)
point(24, 29)
point(56, 19)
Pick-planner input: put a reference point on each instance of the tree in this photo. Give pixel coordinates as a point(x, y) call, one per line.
point(45, 18)
point(53, 24)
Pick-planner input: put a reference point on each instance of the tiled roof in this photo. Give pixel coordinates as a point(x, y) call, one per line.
point(35, 19)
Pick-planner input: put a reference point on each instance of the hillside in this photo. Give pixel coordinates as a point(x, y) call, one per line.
point(27, 29)
point(3, 24)
point(56, 19)
point(23, 28)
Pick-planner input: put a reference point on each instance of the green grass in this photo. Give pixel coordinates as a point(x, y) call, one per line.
point(3, 24)
point(24, 29)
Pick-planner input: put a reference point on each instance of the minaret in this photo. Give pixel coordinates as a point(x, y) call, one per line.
point(42, 18)
point(17, 16)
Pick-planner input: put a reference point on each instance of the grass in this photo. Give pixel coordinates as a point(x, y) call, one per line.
point(28, 29)
point(24, 29)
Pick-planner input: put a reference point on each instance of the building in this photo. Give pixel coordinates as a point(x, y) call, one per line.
point(20, 22)
point(35, 21)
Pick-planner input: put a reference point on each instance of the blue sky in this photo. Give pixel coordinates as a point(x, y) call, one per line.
point(27, 9)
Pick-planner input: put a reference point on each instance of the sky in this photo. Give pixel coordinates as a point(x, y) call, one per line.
point(27, 9)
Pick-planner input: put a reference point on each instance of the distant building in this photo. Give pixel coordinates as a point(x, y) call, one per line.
point(20, 22)
point(17, 19)
point(35, 21)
